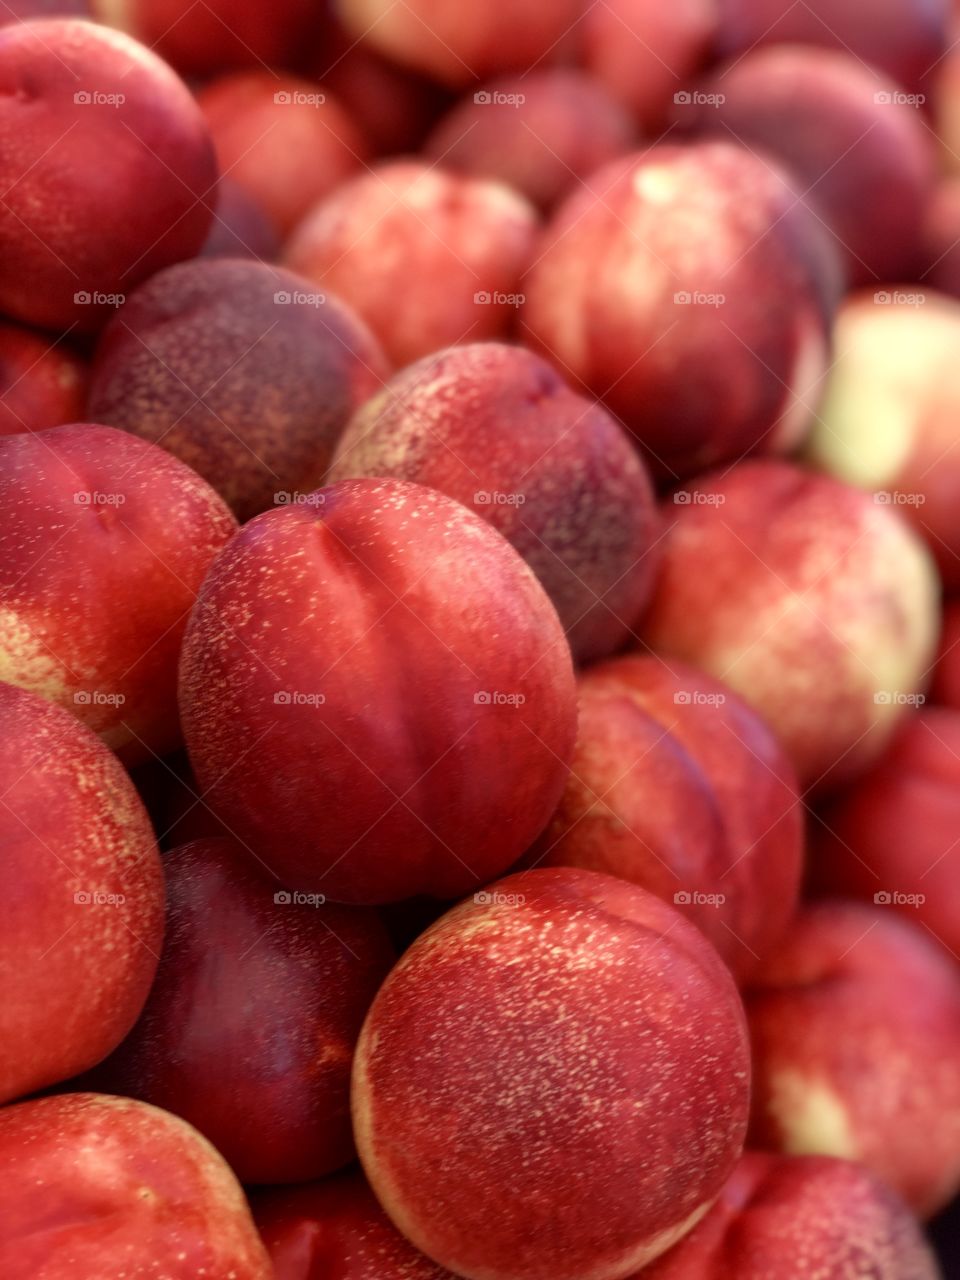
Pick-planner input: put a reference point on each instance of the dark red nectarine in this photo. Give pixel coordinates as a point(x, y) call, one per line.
point(497, 428)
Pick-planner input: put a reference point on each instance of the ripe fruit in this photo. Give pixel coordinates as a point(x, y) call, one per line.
point(427, 258)
point(496, 428)
point(579, 1097)
point(254, 1013)
point(81, 898)
point(855, 1026)
point(245, 371)
point(814, 602)
point(391, 674)
point(684, 286)
point(104, 543)
point(78, 100)
point(99, 1186)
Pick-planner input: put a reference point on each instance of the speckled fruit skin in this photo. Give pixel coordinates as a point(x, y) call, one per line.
point(336, 1230)
point(855, 1026)
point(645, 52)
point(887, 422)
point(240, 228)
point(103, 545)
point(896, 831)
point(217, 35)
point(815, 603)
point(552, 1083)
point(679, 787)
point(75, 95)
point(246, 372)
point(390, 672)
point(498, 429)
point(946, 676)
point(685, 288)
point(831, 1218)
point(540, 133)
point(42, 384)
point(458, 44)
point(412, 249)
point(860, 155)
point(265, 125)
point(75, 973)
point(249, 1030)
point(98, 1186)
point(904, 38)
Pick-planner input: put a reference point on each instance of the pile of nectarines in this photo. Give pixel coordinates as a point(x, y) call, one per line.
point(479, 640)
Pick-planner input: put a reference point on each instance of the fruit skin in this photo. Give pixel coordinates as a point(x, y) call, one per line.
point(855, 1026)
point(427, 258)
point(245, 371)
point(940, 247)
point(857, 152)
point(249, 1030)
point(946, 676)
point(831, 1218)
point(104, 543)
point(904, 38)
point(894, 833)
point(99, 1186)
point(540, 133)
point(457, 45)
point(240, 228)
point(218, 35)
point(679, 787)
point(74, 973)
point(264, 125)
point(721, 351)
point(587, 1074)
point(73, 246)
point(887, 421)
point(645, 52)
point(41, 384)
point(815, 603)
point(497, 428)
point(366, 652)
point(336, 1230)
